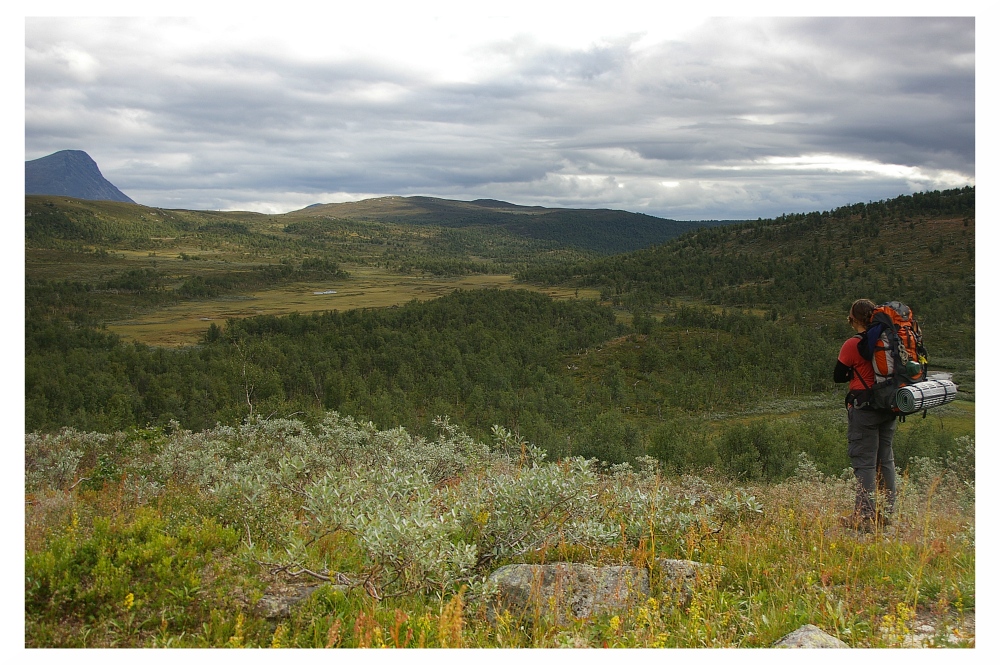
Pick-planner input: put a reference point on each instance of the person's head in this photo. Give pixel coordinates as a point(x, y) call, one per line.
point(861, 313)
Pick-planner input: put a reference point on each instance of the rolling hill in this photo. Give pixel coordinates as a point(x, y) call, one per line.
point(919, 249)
point(415, 234)
point(599, 230)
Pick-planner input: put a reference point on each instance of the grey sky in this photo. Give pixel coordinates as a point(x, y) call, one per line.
point(704, 118)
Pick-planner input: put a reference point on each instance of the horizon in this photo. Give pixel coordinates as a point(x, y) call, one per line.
point(487, 198)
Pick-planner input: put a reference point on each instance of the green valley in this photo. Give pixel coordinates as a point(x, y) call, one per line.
point(368, 408)
point(137, 317)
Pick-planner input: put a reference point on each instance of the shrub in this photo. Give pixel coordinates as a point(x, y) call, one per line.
point(683, 445)
point(611, 438)
point(755, 451)
point(124, 566)
point(410, 521)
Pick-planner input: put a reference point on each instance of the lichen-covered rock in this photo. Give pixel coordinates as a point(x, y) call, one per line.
point(809, 637)
point(279, 605)
point(676, 578)
point(565, 591)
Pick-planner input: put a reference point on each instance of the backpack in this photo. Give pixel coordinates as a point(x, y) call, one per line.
point(894, 344)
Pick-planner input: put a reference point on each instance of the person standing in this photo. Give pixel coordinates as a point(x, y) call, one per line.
point(869, 430)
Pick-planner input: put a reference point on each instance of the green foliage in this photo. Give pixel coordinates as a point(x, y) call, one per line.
point(755, 451)
point(397, 366)
point(136, 280)
point(131, 570)
point(419, 522)
point(700, 360)
point(323, 266)
point(407, 543)
point(611, 438)
point(683, 445)
point(419, 515)
point(922, 438)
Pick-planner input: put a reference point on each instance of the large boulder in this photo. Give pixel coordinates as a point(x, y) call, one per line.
point(567, 591)
point(809, 637)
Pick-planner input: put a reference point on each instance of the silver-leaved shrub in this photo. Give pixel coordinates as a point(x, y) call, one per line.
point(417, 514)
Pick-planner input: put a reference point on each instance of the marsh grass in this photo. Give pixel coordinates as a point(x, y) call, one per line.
point(184, 323)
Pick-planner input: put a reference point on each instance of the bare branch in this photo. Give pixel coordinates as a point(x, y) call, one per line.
point(306, 571)
point(73, 486)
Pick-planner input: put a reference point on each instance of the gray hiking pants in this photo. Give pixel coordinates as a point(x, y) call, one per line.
point(869, 445)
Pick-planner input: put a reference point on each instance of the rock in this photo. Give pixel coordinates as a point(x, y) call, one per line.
point(676, 578)
point(279, 605)
point(567, 591)
point(809, 637)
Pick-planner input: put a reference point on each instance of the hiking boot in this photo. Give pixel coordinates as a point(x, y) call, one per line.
point(889, 532)
point(860, 523)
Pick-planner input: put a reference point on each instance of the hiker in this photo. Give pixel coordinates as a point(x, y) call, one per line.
point(869, 430)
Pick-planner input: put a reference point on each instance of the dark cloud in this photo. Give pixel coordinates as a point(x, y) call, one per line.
point(737, 118)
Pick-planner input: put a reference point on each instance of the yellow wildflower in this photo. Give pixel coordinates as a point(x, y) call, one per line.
point(278, 641)
point(236, 639)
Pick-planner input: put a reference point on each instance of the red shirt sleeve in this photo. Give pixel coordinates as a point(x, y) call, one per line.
point(849, 354)
point(863, 369)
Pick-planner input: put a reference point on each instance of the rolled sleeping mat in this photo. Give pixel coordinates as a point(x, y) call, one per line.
point(925, 395)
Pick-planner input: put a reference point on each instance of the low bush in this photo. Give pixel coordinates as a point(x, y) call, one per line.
point(187, 530)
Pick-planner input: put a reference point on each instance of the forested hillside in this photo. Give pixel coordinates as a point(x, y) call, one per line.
point(919, 249)
point(695, 336)
point(437, 236)
point(487, 355)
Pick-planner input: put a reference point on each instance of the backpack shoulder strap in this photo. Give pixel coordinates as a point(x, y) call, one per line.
point(869, 338)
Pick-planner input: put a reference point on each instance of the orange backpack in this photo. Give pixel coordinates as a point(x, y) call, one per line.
point(895, 345)
point(899, 350)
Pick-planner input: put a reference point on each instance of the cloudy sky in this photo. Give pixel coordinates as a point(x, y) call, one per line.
point(681, 117)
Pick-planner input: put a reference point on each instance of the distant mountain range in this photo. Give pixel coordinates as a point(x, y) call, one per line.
point(601, 230)
point(70, 173)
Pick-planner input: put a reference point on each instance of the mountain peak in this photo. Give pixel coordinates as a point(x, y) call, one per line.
point(70, 173)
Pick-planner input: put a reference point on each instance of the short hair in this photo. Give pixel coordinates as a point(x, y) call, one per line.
point(861, 311)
